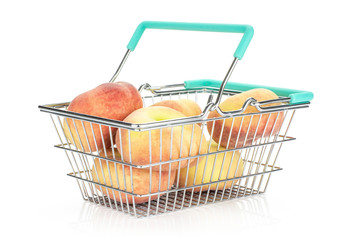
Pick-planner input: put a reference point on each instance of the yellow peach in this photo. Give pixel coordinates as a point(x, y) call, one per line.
point(160, 145)
point(134, 180)
point(229, 164)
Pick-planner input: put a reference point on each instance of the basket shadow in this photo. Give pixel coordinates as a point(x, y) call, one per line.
point(247, 212)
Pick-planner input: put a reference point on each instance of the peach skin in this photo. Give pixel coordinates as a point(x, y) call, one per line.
point(167, 143)
point(230, 162)
point(247, 123)
point(121, 177)
point(186, 106)
point(109, 100)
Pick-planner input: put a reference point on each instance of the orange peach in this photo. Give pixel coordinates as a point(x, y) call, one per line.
point(247, 123)
point(186, 106)
point(160, 145)
point(135, 180)
point(109, 100)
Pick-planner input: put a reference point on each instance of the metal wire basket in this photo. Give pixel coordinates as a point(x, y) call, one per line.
point(241, 166)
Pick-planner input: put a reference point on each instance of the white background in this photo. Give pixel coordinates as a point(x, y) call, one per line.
point(51, 51)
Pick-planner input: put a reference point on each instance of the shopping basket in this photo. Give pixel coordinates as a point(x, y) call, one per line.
point(241, 166)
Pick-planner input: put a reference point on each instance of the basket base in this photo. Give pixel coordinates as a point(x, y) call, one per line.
point(174, 201)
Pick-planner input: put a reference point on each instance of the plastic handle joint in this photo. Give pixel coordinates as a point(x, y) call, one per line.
point(247, 30)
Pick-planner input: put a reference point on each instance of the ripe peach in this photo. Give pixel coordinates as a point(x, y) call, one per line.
point(135, 180)
point(248, 123)
point(109, 100)
point(186, 106)
point(167, 143)
point(229, 164)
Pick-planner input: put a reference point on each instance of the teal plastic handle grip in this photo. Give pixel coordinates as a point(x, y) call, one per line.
point(247, 30)
point(296, 96)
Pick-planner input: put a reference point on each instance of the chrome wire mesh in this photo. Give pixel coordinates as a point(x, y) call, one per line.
point(108, 174)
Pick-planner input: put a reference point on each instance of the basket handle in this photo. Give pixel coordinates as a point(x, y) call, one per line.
point(296, 96)
point(247, 30)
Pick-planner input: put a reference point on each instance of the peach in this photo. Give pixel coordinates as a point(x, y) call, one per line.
point(109, 100)
point(186, 106)
point(135, 180)
point(167, 143)
point(247, 123)
point(230, 162)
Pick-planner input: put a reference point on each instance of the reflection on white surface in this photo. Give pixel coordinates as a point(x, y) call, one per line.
point(240, 213)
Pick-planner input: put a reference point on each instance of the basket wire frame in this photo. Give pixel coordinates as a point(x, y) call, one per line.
point(256, 161)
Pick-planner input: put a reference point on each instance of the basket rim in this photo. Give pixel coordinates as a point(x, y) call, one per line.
point(50, 108)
